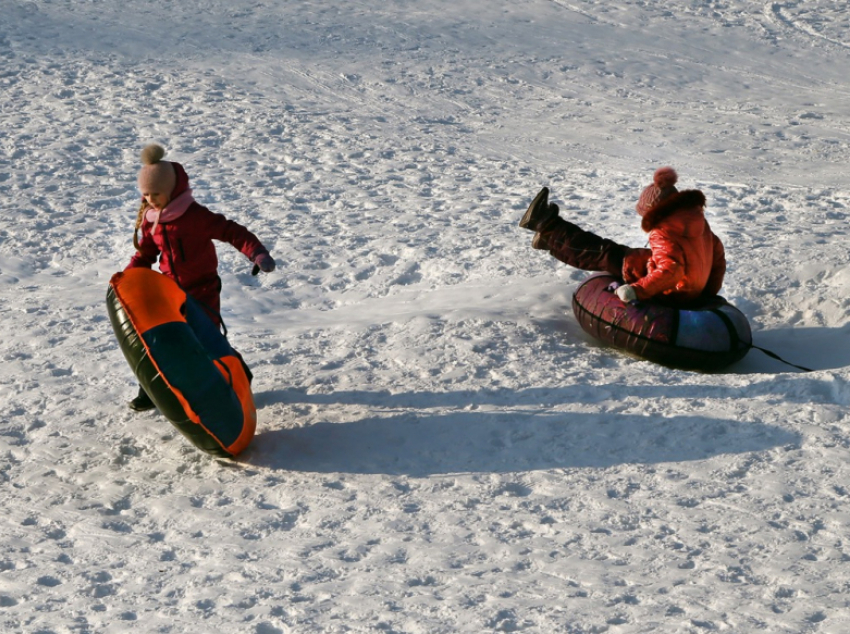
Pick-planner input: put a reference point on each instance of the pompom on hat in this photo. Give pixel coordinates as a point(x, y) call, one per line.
point(156, 175)
point(663, 185)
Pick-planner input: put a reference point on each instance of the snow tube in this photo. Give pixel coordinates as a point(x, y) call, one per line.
point(183, 361)
point(708, 337)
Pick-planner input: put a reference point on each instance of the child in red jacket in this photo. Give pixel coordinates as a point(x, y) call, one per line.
point(178, 232)
point(685, 261)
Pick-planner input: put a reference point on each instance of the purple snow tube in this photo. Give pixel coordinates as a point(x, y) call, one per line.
point(708, 337)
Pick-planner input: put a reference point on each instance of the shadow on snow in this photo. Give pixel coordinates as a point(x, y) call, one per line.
point(473, 442)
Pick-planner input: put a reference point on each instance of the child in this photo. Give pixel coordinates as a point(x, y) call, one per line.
point(686, 262)
point(179, 233)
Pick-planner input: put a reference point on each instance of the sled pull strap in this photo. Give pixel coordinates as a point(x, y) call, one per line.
point(780, 359)
point(735, 341)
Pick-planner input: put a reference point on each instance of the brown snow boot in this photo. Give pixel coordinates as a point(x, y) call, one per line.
point(539, 240)
point(540, 213)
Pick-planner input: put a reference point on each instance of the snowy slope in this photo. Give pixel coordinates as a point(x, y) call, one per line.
point(440, 448)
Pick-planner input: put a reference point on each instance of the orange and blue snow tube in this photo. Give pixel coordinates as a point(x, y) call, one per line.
point(183, 361)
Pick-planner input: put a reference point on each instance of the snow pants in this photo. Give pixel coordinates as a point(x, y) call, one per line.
point(584, 250)
point(208, 295)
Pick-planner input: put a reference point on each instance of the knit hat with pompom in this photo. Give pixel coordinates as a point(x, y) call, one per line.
point(156, 175)
point(663, 184)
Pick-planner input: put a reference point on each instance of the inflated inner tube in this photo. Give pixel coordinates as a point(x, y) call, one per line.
point(183, 361)
point(708, 336)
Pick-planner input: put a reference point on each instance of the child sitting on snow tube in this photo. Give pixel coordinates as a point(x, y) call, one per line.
point(685, 262)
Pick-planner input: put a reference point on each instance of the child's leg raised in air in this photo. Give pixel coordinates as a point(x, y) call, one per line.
point(581, 249)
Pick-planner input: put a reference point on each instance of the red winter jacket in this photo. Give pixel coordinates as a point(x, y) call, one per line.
point(685, 259)
point(187, 254)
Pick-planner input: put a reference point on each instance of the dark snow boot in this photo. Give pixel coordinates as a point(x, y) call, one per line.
point(142, 402)
point(540, 213)
point(539, 240)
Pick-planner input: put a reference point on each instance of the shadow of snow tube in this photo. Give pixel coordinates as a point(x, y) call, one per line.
point(705, 338)
point(183, 361)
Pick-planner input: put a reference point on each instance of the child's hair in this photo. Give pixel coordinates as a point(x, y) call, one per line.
point(156, 174)
point(139, 220)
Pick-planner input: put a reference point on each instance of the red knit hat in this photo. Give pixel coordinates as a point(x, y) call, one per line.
point(663, 184)
point(156, 175)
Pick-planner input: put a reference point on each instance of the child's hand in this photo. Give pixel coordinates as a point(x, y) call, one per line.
point(263, 262)
point(626, 293)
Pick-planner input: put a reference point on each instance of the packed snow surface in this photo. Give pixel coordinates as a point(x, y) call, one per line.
point(440, 448)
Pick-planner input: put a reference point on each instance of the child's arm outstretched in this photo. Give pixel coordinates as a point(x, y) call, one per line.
point(242, 239)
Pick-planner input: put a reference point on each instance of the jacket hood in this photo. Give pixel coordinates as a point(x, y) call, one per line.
point(181, 184)
point(686, 205)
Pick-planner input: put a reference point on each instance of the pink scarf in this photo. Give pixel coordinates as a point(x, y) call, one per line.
point(172, 211)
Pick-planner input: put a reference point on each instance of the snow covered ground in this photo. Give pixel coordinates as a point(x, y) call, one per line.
point(440, 448)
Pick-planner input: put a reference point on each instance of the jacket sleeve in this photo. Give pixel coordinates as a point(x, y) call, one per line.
point(666, 267)
point(718, 269)
point(148, 252)
point(233, 233)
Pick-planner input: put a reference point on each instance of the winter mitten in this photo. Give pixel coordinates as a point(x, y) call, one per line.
point(626, 293)
point(263, 262)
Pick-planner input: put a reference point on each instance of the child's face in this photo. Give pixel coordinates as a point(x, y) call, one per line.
point(157, 200)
